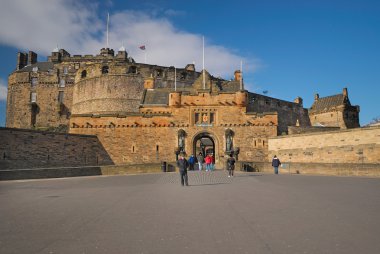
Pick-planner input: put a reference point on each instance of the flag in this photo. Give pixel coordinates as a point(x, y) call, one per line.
point(142, 47)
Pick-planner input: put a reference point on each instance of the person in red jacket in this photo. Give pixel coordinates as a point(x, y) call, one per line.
point(212, 162)
point(208, 161)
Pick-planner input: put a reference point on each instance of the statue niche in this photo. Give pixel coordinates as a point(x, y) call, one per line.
point(181, 140)
point(229, 142)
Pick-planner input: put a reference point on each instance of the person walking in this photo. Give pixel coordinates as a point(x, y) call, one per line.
point(275, 164)
point(200, 161)
point(208, 161)
point(191, 162)
point(231, 166)
point(182, 166)
point(212, 166)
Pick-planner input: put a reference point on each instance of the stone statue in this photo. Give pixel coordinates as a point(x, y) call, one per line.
point(181, 140)
point(228, 143)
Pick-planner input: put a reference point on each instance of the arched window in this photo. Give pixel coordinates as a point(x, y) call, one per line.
point(83, 74)
point(105, 69)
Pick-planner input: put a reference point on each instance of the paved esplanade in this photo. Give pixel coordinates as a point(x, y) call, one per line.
point(250, 213)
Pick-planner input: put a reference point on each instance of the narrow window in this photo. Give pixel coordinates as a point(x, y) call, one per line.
point(133, 149)
point(196, 118)
point(62, 83)
point(105, 69)
point(33, 115)
point(255, 143)
point(263, 143)
point(211, 117)
point(33, 97)
point(65, 70)
point(132, 70)
point(76, 66)
point(34, 82)
point(60, 96)
point(157, 148)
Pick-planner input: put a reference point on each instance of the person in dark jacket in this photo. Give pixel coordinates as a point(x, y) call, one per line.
point(191, 162)
point(231, 166)
point(182, 165)
point(275, 164)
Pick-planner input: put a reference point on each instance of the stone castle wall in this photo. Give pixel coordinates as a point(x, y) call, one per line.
point(331, 118)
point(361, 145)
point(288, 112)
point(107, 93)
point(153, 137)
point(47, 110)
point(20, 148)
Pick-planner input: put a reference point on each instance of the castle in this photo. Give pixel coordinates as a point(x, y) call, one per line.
point(144, 113)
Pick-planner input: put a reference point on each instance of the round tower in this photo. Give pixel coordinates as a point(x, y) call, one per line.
point(106, 89)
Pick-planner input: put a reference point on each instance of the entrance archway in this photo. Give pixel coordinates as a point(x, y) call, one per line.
point(203, 143)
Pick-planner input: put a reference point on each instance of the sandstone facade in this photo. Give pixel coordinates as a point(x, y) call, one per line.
point(40, 149)
point(147, 113)
point(360, 145)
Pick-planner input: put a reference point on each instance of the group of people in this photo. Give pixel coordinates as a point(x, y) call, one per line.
point(209, 161)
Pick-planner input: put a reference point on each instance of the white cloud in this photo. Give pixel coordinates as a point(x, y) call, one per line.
point(3, 90)
point(40, 25)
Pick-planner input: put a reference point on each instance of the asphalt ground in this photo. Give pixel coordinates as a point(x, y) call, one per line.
point(153, 213)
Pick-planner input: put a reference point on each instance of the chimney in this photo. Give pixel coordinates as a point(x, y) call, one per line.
point(107, 52)
point(32, 58)
point(190, 67)
point(345, 92)
point(22, 60)
point(316, 97)
point(237, 75)
point(299, 101)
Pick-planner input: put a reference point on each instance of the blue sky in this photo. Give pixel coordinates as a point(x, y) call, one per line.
point(288, 48)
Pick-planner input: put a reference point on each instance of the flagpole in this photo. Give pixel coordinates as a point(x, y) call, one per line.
point(241, 75)
point(203, 61)
point(108, 21)
point(175, 78)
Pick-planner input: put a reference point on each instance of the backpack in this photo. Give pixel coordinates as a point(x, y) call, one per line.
point(231, 161)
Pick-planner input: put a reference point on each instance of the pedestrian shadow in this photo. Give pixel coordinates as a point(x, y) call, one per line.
point(203, 184)
point(248, 175)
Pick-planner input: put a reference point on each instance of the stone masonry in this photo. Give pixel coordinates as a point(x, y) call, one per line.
point(144, 113)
